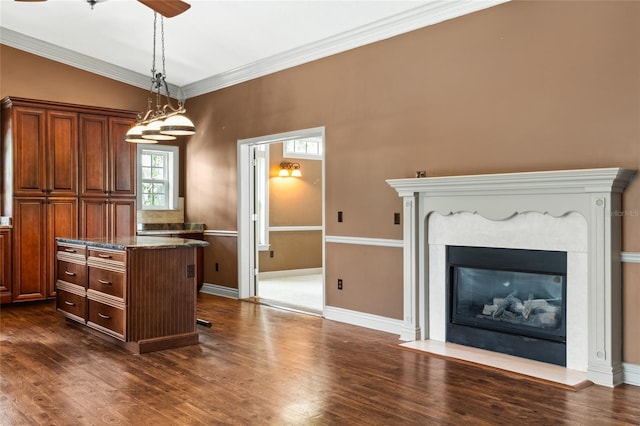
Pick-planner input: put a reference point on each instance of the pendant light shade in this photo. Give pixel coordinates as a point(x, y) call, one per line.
point(178, 125)
point(134, 135)
point(152, 131)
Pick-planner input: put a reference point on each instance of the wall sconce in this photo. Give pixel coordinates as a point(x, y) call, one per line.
point(289, 169)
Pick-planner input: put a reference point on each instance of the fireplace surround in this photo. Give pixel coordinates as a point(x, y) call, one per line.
point(569, 210)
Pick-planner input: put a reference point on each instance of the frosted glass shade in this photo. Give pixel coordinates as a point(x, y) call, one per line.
point(178, 125)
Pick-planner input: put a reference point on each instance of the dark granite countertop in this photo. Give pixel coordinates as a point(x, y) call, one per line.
point(136, 242)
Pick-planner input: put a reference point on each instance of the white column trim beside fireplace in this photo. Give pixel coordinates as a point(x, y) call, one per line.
point(593, 193)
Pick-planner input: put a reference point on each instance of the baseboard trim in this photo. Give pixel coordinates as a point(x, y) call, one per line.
point(631, 374)
point(361, 319)
point(219, 290)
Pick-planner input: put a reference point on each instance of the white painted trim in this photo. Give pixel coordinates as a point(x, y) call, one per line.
point(220, 233)
point(363, 241)
point(361, 319)
point(630, 257)
point(295, 228)
point(631, 374)
point(219, 290)
point(422, 16)
point(289, 273)
point(78, 60)
point(246, 255)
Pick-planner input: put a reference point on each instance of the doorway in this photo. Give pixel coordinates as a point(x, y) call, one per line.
point(281, 220)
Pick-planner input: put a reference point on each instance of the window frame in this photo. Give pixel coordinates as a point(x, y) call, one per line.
point(173, 172)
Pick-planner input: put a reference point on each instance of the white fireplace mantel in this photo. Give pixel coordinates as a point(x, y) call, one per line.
point(593, 193)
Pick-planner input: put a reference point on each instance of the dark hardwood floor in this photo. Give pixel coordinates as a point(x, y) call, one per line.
point(259, 365)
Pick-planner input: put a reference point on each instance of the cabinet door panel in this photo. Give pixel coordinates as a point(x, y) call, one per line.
point(62, 153)
point(93, 218)
point(123, 218)
point(5, 265)
point(94, 160)
point(29, 156)
point(122, 157)
point(30, 252)
point(62, 221)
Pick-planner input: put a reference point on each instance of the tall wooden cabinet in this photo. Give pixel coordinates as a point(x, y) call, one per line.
point(57, 160)
point(6, 262)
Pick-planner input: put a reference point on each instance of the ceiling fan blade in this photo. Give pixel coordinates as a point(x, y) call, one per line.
point(167, 8)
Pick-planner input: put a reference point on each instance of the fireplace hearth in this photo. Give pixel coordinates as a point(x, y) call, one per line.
point(511, 301)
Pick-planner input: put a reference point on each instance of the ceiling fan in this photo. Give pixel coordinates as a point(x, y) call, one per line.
point(166, 8)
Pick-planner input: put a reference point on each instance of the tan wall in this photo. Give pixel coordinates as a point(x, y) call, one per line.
point(523, 86)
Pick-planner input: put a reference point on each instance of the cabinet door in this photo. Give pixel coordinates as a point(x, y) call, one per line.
point(122, 158)
point(93, 218)
point(62, 221)
point(30, 249)
point(5, 265)
point(29, 166)
point(122, 222)
point(94, 155)
point(62, 153)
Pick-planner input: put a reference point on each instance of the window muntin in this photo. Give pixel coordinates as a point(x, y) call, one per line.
point(310, 148)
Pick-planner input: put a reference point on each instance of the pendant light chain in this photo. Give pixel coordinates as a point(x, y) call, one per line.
point(160, 122)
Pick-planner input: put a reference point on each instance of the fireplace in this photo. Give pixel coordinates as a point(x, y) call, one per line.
point(574, 211)
point(511, 301)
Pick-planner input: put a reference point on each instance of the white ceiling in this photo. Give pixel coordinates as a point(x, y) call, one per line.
point(214, 44)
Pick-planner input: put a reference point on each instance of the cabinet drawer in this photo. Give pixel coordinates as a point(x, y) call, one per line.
point(106, 281)
point(72, 272)
point(71, 305)
point(108, 318)
point(114, 256)
point(72, 249)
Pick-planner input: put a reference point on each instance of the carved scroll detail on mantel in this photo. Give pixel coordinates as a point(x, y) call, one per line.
point(593, 193)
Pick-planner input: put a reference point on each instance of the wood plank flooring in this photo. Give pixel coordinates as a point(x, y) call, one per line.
point(259, 365)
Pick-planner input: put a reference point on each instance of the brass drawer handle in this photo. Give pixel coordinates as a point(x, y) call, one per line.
point(66, 302)
point(69, 250)
point(104, 256)
point(103, 316)
point(104, 282)
point(71, 274)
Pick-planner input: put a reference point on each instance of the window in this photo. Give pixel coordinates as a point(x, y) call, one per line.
point(303, 148)
point(157, 177)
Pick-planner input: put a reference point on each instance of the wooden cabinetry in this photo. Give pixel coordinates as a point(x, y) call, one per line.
point(141, 294)
point(5, 265)
point(53, 155)
point(107, 217)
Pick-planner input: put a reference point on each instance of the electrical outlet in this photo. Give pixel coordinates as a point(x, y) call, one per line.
point(271, 253)
point(217, 267)
point(396, 218)
point(191, 271)
point(339, 216)
point(339, 283)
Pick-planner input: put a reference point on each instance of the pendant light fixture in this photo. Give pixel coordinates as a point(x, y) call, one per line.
point(160, 122)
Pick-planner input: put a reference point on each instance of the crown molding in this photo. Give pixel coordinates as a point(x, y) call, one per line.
point(429, 14)
point(77, 60)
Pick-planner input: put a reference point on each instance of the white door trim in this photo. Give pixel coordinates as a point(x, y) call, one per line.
point(246, 230)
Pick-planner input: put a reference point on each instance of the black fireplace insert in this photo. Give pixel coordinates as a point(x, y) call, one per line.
point(511, 301)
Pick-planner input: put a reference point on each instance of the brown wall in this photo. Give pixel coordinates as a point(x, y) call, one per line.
point(293, 201)
point(524, 86)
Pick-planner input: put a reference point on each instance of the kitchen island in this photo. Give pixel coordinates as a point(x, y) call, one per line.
point(138, 292)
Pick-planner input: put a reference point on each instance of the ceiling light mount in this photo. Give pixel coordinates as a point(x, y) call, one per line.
point(160, 122)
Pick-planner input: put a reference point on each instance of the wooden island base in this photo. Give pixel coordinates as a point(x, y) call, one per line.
point(138, 293)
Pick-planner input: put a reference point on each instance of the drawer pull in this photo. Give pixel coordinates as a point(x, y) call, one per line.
point(104, 256)
point(69, 250)
point(66, 302)
point(105, 282)
point(71, 274)
point(103, 316)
